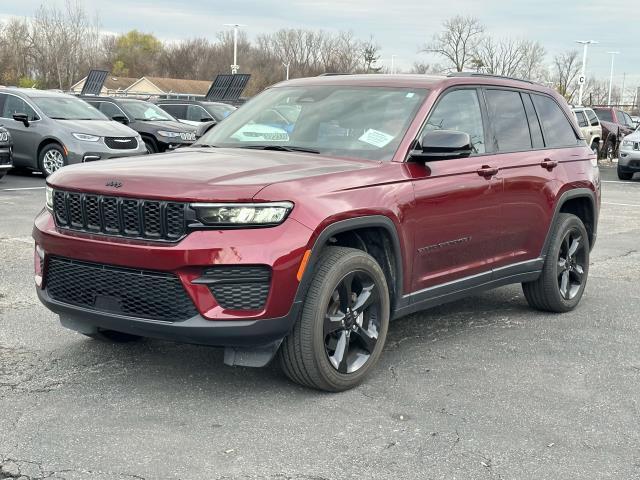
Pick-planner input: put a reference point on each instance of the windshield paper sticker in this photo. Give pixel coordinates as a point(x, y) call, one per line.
point(376, 138)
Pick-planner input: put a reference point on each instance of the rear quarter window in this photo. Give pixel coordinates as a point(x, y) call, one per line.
point(557, 130)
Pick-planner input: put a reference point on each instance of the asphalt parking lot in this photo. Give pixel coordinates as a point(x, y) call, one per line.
point(483, 388)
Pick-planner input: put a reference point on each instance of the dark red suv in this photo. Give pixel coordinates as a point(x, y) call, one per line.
point(321, 210)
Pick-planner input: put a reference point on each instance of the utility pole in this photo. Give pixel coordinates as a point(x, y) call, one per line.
point(235, 67)
point(624, 78)
point(613, 55)
point(583, 75)
point(286, 65)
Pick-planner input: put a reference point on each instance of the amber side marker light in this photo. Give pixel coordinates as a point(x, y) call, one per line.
point(303, 265)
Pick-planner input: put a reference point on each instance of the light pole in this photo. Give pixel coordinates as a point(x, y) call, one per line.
point(393, 64)
point(235, 67)
point(613, 55)
point(583, 76)
point(286, 65)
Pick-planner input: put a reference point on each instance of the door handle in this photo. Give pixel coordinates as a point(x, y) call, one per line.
point(487, 171)
point(549, 164)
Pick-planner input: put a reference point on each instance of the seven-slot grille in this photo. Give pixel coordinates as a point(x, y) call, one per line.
point(123, 291)
point(121, 143)
point(241, 287)
point(147, 219)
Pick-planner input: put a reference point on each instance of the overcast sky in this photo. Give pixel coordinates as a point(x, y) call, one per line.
point(399, 26)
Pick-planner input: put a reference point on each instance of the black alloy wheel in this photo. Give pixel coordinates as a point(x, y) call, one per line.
point(571, 261)
point(352, 322)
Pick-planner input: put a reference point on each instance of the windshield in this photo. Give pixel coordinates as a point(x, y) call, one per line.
point(144, 111)
point(219, 111)
point(604, 114)
point(67, 108)
point(342, 121)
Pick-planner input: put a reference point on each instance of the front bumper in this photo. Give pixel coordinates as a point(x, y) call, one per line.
point(281, 248)
point(629, 160)
point(82, 152)
point(6, 158)
point(196, 330)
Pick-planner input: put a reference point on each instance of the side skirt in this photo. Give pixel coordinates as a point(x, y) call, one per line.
point(440, 294)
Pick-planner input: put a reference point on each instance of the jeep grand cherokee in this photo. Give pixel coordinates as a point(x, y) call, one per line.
point(301, 239)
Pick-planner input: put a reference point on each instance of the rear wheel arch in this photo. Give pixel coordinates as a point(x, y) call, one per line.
point(376, 235)
point(580, 202)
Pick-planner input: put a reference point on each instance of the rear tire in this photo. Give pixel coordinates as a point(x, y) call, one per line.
point(624, 175)
point(112, 336)
point(566, 268)
point(595, 148)
point(343, 326)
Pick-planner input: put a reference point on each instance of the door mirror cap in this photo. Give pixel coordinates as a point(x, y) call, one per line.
point(443, 145)
point(120, 119)
point(21, 117)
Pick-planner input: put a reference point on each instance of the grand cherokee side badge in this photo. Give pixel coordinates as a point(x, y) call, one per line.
point(113, 183)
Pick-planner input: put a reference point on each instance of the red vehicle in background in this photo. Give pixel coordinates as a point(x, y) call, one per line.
point(616, 125)
point(321, 210)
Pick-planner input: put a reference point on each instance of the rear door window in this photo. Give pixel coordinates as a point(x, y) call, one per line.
point(534, 123)
point(593, 119)
point(508, 120)
point(459, 110)
point(582, 119)
point(178, 111)
point(557, 130)
point(604, 114)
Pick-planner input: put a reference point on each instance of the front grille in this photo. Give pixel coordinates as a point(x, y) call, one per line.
point(145, 219)
point(239, 287)
point(124, 291)
point(121, 143)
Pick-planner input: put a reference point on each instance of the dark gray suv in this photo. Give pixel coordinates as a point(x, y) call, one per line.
point(51, 130)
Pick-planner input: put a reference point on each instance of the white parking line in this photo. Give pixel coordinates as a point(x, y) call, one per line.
point(621, 204)
point(23, 188)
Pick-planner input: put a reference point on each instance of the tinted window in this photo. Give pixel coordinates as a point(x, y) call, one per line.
point(557, 129)
point(508, 120)
point(144, 111)
point(111, 110)
point(625, 119)
point(196, 113)
point(459, 110)
point(582, 119)
point(178, 111)
point(534, 123)
point(13, 105)
point(604, 114)
point(592, 118)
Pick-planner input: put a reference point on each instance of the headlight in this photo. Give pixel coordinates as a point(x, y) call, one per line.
point(86, 137)
point(230, 214)
point(49, 198)
point(627, 143)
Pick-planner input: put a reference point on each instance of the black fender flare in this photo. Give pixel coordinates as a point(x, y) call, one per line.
point(566, 196)
point(369, 221)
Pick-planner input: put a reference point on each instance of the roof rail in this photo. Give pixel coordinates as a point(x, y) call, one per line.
point(488, 75)
point(332, 74)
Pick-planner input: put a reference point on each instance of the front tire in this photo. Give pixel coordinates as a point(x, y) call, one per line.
point(51, 159)
point(566, 268)
point(151, 145)
point(343, 326)
point(624, 175)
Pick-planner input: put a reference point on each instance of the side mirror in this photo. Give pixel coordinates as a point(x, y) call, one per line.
point(443, 145)
point(21, 117)
point(120, 119)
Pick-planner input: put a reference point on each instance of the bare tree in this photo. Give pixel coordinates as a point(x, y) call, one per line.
point(458, 42)
point(426, 68)
point(371, 56)
point(566, 67)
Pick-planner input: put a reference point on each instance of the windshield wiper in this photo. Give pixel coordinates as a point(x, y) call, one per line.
point(281, 148)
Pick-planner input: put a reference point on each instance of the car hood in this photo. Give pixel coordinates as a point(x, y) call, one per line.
point(199, 174)
point(101, 128)
point(634, 137)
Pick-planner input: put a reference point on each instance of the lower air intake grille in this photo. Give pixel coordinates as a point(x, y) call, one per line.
point(124, 291)
point(239, 287)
